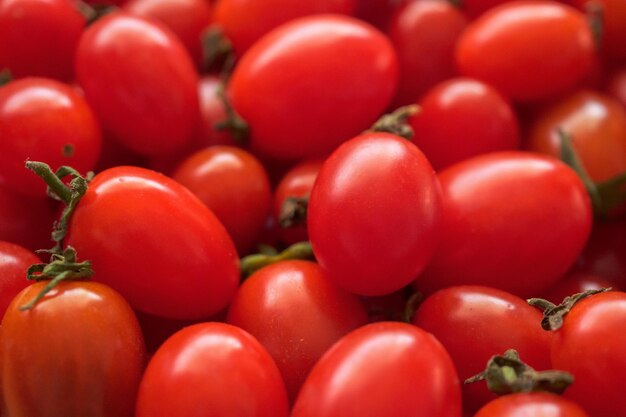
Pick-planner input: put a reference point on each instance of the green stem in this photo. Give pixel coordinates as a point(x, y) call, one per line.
point(53, 182)
point(252, 263)
point(553, 314)
point(293, 211)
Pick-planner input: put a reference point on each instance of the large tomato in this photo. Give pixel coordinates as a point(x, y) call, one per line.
point(374, 214)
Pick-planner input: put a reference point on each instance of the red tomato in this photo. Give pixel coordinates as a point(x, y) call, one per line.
point(44, 120)
point(598, 369)
point(528, 49)
point(186, 18)
point(14, 261)
point(140, 81)
point(234, 185)
point(467, 320)
point(81, 342)
point(39, 37)
point(617, 85)
point(156, 243)
point(212, 370)
point(605, 252)
point(596, 123)
point(536, 404)
point(511, 220)
point(373, 215)
point(351, 74)
point(424, 34)
point(613, 16)
point(243, 22)
point(382, 369)
point(274, 302)
point(484, 121)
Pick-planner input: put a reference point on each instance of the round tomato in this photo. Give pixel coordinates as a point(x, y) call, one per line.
point(81, 342)
point(351, 74)
point(374, 214)
point(528, 49)
point(537, 404)
point(382, 369)
point(156, 243)
point(514, 220)
point(14, 261)
point(212, 370)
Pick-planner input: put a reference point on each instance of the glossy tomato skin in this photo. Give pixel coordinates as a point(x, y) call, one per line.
point(273, 305)
point(39, 37)
point(351, 74)
point(153, 241)
point(212, 370)
point(374, 214)
point(140, 81)
point(513, 220)
point(234, 185)
point(44, 120)
point(14, 261)
point(501, 48)
point(382, 369)
point(82, 342)
point(474, 323)
point(484, 121)
point(597, 368)
point(539, 404)
point(596, 123)
point(424, 34)
point(243, 22)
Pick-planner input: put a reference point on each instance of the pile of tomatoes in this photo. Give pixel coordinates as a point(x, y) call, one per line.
point(326, 208)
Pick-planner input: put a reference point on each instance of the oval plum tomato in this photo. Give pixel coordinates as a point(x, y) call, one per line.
point(274, 303)
point(140, 81)
point(501, 48)
point(474, 323)
point(212, 370)
point(81, 342)
point(44, 120)
point(424, 34)
point(484, 121)
point(186, 18)
point(14, 261)
point(537, 404)
point(234, 185)
point(243, 22)
point(382, 369)
point(351, 74)
point(297, 183)
point(598, 368)
point(374, 214)
point(511, 220)
point(39, 37)
point(156, 243)
point(596, 123)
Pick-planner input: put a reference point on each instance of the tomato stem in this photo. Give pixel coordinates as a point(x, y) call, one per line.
point(293, 211)
point(506, 374)
point(254, 262)
point(5, 77)
point(396, 122)
point(216, 49)
point(595, 19)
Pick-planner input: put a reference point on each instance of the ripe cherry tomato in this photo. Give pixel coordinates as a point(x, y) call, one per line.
point(591, 346)
point(44, 120)
point(511, 220)
point(382, 369)
point(14, 261)
point(424, 34)
point(243, 22)
point(234, 185)
point(81, 342)
point(140, 81)
point(212, 369)
point(156, 243)
point(474, 323)
point(484, 121)
point(596, 123)
point(501, 47)
point(374, 214)
point(537, 404)
point(274, 302)
point(39, 37)
point(351, 74)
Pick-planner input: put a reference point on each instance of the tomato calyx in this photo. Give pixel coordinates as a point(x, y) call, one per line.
point(396, 122)
point(293, 211)
point(217, 50)
point(254, 262)
point(5, 76)
point(553, 314)
point(507, 374)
